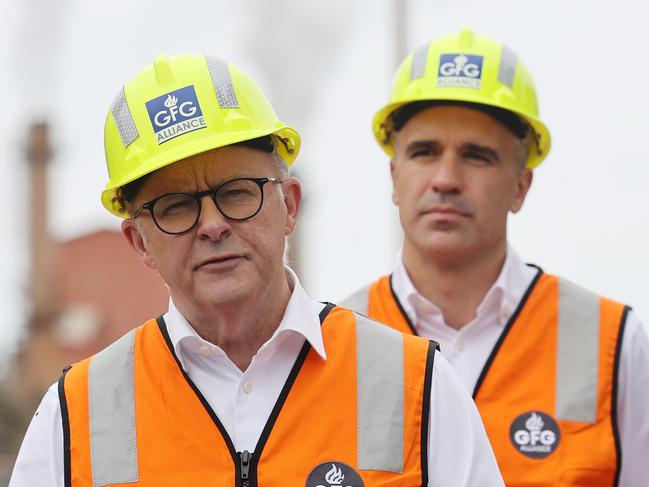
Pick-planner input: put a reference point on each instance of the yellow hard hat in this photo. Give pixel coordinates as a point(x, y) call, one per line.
point(465, 68)
point(181, 106)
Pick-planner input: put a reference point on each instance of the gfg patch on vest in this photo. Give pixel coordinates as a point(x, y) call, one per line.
point(535, 434)
point(334, 474)
point(175, 113)
point(459, 70)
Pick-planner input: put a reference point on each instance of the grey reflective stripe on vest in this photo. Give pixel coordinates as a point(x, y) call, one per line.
point(418, 66)
point(507, 68)
point(222, 82)
point(379, 368)
point(577, 353)
point(123, 119)
point(359, 301)
point(111, 397)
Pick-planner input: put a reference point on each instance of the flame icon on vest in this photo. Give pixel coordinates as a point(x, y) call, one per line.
point(171, 101)
point(335, 475)
point(534, 423)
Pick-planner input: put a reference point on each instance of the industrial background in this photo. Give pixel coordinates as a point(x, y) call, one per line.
point(68, 282)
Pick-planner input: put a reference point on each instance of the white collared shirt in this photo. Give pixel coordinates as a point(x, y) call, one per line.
point(468, 349)
point(459, 453)
point(255, 390)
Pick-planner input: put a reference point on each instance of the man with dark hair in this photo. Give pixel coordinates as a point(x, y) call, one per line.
point(560, 375)
point(245, 380)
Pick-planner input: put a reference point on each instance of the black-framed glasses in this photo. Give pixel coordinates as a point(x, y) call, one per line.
point(236, 199)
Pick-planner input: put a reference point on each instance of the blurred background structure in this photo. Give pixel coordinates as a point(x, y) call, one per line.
point(83, 294)
point(69, 284)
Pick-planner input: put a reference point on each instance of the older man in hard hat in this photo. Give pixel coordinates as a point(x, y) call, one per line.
point(560, 375)
point(245, 380)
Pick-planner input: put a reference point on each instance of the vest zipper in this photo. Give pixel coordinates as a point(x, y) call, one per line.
point(244, 462)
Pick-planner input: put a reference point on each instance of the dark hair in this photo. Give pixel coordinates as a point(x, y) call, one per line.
point(264, 143)
point(512, 122)
point(127, 193)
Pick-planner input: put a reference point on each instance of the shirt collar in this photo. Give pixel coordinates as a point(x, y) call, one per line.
point(301, 316)
point(503, 296)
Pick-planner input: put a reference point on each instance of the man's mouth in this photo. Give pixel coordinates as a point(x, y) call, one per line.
point(441, 210)
point(220, 260)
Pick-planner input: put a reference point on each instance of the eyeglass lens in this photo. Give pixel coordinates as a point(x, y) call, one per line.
point(238, 199)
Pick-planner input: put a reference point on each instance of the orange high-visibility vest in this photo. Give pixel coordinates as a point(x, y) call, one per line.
point(547, 393)
point(132, 417)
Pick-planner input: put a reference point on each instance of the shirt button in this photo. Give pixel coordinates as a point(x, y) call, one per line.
point(247, 386)
point(459, 346)
point(205, 350)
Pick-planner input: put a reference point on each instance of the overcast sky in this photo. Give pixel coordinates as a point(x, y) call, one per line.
point(327, 67)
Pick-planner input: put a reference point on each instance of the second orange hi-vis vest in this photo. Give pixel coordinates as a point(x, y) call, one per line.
point(547, 393)
point(132, 417)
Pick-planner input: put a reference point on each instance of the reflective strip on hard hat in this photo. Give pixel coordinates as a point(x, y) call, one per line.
point(111, 404)
point(123, 119)
point(222, 81)
point(577, 353)
point(507, 68)
point(380, 382)
point(418, 66)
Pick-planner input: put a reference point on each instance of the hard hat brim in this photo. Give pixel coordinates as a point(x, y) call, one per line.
point(538, 150)
point(287, 145)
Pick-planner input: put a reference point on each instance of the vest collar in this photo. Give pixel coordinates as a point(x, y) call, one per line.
point(497, 306)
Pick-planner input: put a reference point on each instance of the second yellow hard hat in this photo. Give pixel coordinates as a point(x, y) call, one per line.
point(465, 68)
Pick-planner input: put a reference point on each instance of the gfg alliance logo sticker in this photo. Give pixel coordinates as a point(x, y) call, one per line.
point(535, 434)
point(175, 114)
point(334, 474)
point(459, 70)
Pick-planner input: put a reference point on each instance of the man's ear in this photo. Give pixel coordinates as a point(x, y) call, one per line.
point(135, 236)
point(522, 187)
point(393, 175)
point(292, 199)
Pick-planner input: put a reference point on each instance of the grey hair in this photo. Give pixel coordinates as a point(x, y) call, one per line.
point(140, 229)
point(524, 146)
point(281, 168)
point(281, 171)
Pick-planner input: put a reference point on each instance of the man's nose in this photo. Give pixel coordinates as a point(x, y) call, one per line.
point(212, 224)
point(447, 175)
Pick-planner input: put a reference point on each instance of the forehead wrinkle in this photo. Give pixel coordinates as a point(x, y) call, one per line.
point(173, 180)
point(208, 170)
point(443, 122)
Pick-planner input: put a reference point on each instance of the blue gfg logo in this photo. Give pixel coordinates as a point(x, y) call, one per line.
point(175, 113)
point(459, 70)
